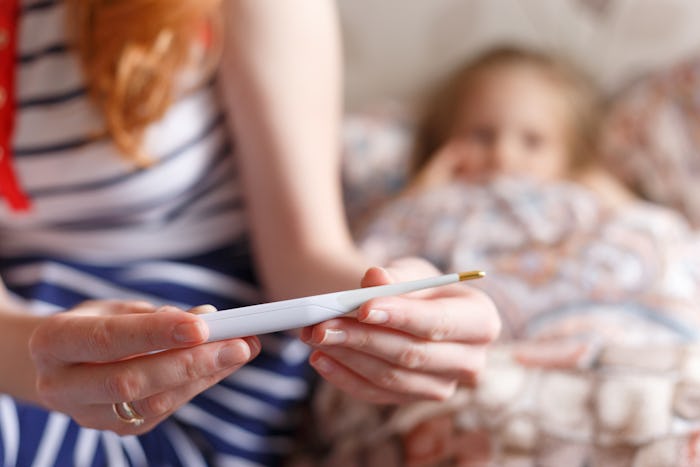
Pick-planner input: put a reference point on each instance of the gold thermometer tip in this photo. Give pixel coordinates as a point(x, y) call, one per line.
point(465, 276)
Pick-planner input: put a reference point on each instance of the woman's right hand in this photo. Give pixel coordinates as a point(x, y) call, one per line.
point(108, 352)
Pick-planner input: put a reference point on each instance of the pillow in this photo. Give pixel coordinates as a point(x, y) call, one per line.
point(376, 144)
point(652, 138)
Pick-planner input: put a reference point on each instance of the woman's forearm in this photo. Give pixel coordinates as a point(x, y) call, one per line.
point(281, 77)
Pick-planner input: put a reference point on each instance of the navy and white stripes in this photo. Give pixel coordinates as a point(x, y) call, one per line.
point(173, 233)
point(85, 194)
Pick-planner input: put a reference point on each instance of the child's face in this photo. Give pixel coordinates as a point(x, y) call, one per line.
point(512, 121)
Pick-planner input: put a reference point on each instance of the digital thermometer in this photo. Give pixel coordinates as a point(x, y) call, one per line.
point(299, 312)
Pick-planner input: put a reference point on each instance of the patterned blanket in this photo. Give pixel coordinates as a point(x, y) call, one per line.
point(598, 364)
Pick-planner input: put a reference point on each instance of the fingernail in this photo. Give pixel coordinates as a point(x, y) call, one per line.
point(306, 334)
point(203, 309)
point(254, 345)
point(323, 364)
point(232, 354)
point(376, 317)
point(334, 336)
point(187, 333)
point(383, 269)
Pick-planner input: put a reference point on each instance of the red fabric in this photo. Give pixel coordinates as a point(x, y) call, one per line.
point(9, 185)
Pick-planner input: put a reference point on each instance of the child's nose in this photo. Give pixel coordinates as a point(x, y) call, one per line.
point(503, 157)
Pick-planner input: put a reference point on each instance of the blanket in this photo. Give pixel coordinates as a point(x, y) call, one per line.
point(598, 363)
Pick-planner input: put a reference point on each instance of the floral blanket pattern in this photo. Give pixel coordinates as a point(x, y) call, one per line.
point(553, 253)
point(598, 365)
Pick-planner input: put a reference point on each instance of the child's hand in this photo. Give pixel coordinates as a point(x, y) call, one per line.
point(409, 347)
point(102, 353)
point(447, 164)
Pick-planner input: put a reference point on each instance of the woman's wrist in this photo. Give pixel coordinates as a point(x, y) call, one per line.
point(16, 328)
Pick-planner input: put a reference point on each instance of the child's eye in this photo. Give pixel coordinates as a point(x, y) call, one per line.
point(533, 141)
point(481, 135)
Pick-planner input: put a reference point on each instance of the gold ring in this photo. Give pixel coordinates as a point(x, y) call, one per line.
point(126, 413)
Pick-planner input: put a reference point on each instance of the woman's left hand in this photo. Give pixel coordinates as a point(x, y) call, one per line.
point(403, 348)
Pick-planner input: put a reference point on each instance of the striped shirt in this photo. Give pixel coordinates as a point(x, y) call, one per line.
point(173, 233)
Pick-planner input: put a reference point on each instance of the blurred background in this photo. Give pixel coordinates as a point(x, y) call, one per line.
point(394, 48)
point(610, 405)
point(644, 55)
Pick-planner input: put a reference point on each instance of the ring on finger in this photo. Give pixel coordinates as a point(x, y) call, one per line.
point(126, 412)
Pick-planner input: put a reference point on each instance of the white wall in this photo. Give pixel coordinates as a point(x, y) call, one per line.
point(394, 48)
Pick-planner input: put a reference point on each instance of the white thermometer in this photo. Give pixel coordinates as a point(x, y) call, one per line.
point(299, 312)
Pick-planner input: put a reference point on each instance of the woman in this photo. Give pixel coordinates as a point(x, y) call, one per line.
point(157, 210)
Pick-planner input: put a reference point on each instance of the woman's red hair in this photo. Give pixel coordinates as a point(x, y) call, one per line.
point(131, 53)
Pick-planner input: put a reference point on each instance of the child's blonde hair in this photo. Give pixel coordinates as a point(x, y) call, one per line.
point(583, 103)
point(131, 52)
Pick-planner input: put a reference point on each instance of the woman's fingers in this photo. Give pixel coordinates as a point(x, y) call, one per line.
point(71, 338)
point(152, 409)
point(453, 312)
point(145, 376)
point(400, 270)
point(348, 381)
point(103, 353)
point(398, 348)
point(470, 317)
point(379, 375)
point(114, 307)
point(450, 359)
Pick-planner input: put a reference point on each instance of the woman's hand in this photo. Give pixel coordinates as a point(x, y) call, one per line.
point(403, 348)
point(108, 352)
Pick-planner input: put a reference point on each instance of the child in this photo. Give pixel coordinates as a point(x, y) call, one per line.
point(516, 112)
